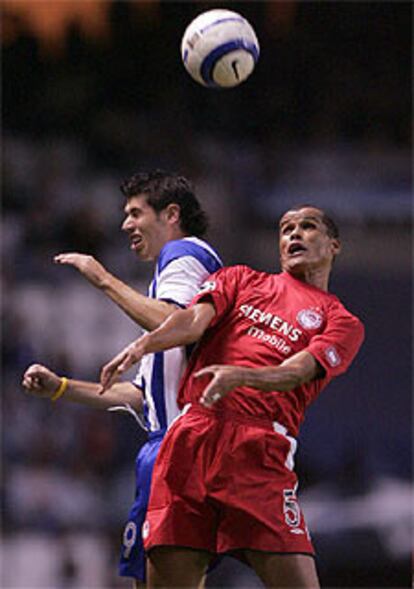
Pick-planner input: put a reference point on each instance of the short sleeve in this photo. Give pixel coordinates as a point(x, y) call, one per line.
point(180, 280)
point(338, 344)
point(220, 289)
point(182, 266)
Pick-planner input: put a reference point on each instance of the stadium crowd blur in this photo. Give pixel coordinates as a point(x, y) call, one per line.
point(325, 118)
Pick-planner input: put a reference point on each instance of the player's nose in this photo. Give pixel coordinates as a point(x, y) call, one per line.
point(127, 225)
point(296, 233)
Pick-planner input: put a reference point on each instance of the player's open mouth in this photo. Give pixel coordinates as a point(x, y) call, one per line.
point(136, 242)
point(295, 249)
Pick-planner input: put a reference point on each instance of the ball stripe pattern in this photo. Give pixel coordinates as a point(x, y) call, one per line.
point(219, 21)
point(209, 62)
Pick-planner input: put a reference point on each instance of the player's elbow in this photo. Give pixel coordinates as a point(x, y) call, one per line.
point(293, 379)
point(128, 393)
point(299, 370)
point(136, 402)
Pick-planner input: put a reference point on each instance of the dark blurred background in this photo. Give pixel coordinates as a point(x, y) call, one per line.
point(95, 90)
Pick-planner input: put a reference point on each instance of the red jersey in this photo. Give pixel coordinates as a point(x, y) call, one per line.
point(261, 320)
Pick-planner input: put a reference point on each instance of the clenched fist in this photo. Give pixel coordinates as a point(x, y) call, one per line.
point(40, 381)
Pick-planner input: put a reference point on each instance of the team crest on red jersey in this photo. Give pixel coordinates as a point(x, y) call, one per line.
point(310, 318)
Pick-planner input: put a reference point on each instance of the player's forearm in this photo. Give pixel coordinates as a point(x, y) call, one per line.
point(174, 332)
point(183, 327)
point(287, 376)
point(87, 393)
point(148, 313)
point(270, 379)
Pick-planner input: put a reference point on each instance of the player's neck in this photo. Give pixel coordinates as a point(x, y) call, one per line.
point(317, 277)
point(176, 233)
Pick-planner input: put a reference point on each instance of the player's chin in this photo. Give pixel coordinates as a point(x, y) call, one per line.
point(293, 263)
point(140, 253)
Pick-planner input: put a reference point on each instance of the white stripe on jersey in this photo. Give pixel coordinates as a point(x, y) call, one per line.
point(175, 362)
point(178, 281)
point(146, 368)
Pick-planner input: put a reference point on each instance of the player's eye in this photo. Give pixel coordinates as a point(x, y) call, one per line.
point(308, 225)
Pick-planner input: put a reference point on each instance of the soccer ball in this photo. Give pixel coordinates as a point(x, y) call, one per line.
point(219, 48)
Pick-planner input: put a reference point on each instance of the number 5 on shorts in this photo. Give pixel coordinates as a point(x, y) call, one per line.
point(291, 508)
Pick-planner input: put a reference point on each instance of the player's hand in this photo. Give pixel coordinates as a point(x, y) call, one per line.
point(87, 266)
point(40, 381)
point(224, 379)
point(122, 362)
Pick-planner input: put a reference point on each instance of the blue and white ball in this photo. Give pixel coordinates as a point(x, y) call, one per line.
point(219, 48)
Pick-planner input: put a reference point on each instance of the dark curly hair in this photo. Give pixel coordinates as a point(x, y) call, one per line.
point(163, 188)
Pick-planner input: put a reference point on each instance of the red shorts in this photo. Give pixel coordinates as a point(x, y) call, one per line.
point(223, 482)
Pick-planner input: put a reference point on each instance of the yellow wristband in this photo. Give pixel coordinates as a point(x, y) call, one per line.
point(62, 388)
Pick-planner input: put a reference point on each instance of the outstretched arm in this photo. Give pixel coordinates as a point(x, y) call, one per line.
point(296, 370)
point(39, 381)
point(148, 313)
point(181, 328)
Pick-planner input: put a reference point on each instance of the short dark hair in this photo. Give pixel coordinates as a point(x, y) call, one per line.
point(331, 226)
point(163, 188)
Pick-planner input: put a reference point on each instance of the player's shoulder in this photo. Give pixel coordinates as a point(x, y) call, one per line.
point(244, 273)
point(189, 247)
point(337, 309)
point(328, 302)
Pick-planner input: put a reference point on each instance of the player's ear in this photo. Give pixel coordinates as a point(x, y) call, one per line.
point(172, 213)
point(335, 247)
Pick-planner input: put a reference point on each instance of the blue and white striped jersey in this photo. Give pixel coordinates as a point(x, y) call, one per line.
point(182, 266)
